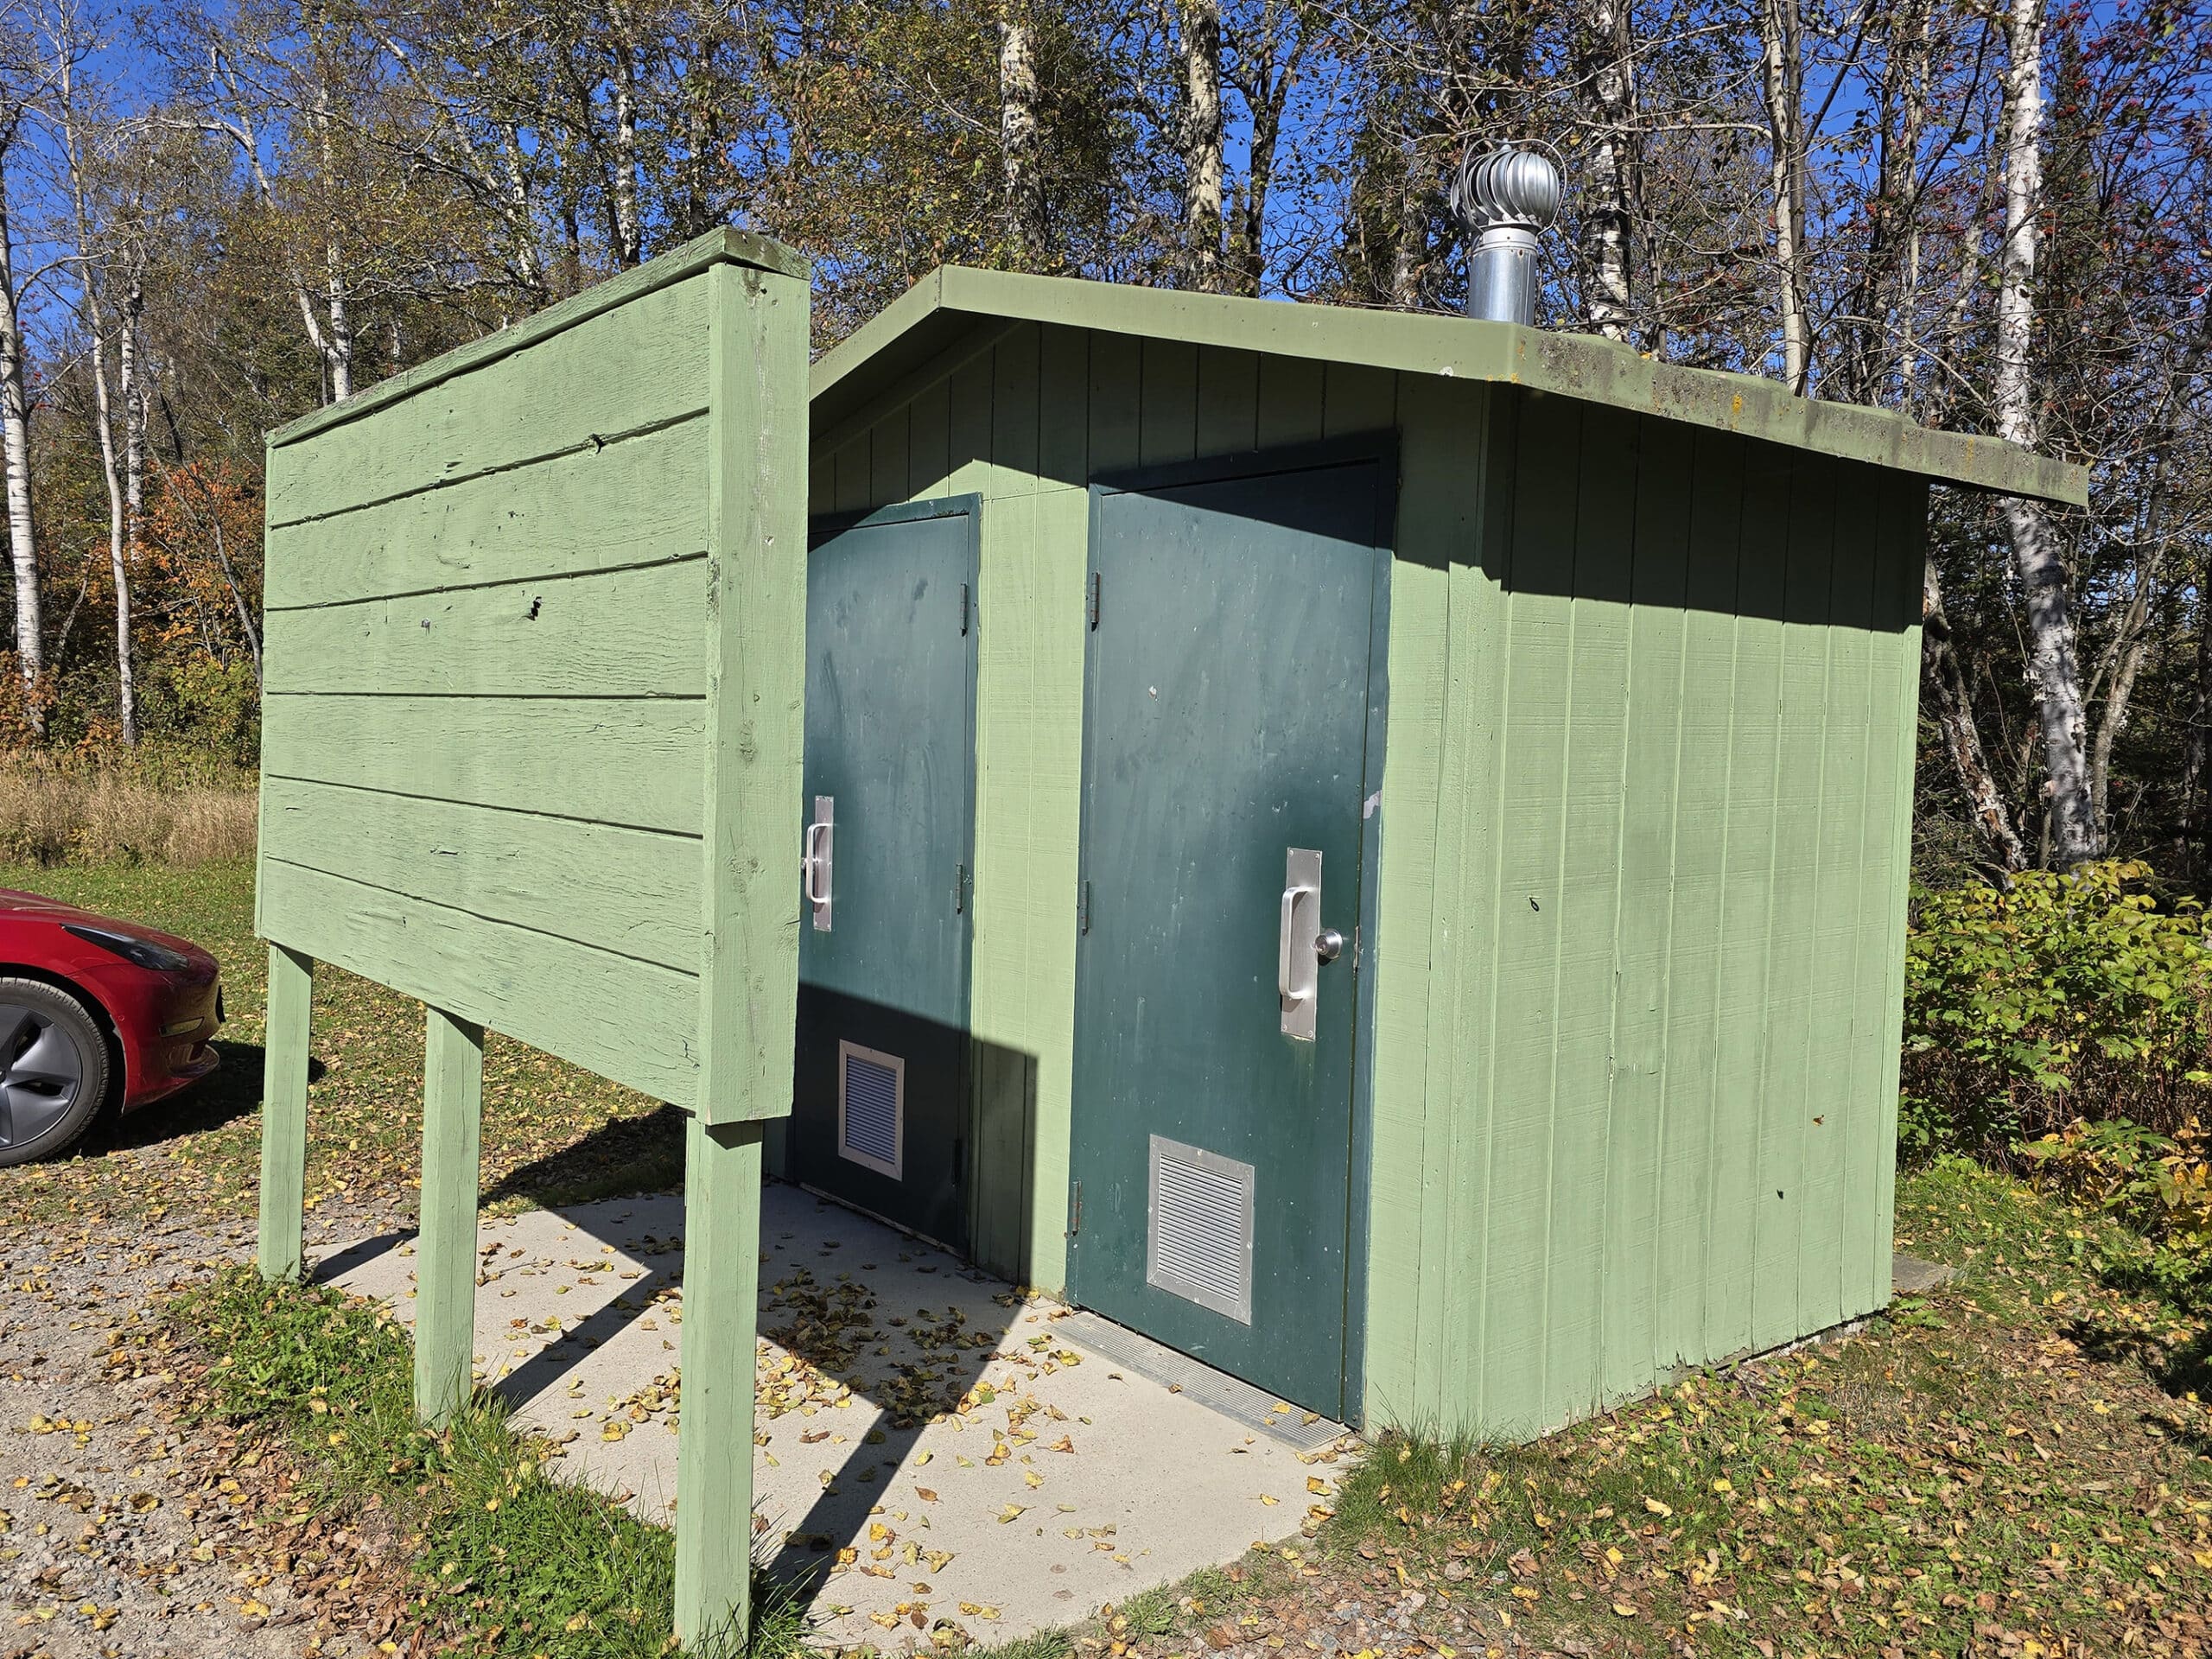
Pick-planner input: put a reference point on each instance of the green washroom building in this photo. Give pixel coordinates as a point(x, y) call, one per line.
point(1371, 849)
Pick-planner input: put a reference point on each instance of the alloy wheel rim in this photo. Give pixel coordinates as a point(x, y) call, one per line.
point(40, 1073)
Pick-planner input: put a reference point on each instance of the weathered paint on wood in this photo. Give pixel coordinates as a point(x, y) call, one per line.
point(714, 1452)
point(617, 376)
point(623, 1018)
point(285, 1111)
point(603, 634)
point(631, 762)
point(577, 514)
point(545, 873)
point(1582, 367)
point(1607, 628)
point(445, 1239)
point(756, 679)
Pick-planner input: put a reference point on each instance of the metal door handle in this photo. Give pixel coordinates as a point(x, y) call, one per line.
point(1299, 944)
point(1289, 984)
point(817, 856)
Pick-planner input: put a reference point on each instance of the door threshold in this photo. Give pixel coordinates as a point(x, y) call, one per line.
point(1301, 1430)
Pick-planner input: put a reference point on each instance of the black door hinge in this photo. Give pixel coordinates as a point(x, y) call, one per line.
point(959, 889)
point(1075, 1211)
point(1094, 601)
point(1083, 907)
point(964, 610)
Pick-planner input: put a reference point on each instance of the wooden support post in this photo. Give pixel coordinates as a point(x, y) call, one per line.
point(714, 1465)
point(756, 683)
point(445, 1245)
point(285, 1111)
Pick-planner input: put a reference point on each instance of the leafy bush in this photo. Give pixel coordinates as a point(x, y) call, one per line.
point(2063, 997)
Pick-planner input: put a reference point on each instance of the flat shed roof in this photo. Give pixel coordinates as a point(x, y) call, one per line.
point(939, 316)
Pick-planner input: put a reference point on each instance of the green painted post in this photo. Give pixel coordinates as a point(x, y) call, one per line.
point(756, 681)
point(714, 1468)
point(445, 1245)
point(285, 1111)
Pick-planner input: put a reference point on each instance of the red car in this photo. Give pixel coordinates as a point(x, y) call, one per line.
point(93, 1010)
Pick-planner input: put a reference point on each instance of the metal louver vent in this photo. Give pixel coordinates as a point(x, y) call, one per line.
point(871, 1108)
point(1199, 1244)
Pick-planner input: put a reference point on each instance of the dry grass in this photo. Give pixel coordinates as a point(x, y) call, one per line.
point(53, 818)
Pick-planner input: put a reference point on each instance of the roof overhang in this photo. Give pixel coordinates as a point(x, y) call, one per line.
point(917, 337)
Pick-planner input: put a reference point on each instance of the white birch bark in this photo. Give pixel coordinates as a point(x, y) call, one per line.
point(1023, 195)
point(16, 455)
point(94, 313)
point(1604, 48)
point(1785, 77)
point(1202, 137)
point(2037, 558)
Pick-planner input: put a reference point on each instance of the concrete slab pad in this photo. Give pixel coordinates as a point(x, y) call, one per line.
point(930, 1445)
point(1910, 1276)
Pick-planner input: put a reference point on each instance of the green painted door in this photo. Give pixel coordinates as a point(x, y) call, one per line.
point(1227, 758)
point(879, 1103)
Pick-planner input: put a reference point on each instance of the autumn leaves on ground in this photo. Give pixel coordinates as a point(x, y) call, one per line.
point(2012, 1465)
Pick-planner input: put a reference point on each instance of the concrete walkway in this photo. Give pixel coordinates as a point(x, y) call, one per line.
point(930, 1446)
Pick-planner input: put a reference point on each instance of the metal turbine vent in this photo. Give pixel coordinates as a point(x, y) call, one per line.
point(1505, 196)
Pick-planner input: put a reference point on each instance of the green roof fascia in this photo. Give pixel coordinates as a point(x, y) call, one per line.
point(716, 247)
point(907, 338)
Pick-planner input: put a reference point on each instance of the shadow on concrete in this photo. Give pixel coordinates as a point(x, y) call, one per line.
point(627, 1156)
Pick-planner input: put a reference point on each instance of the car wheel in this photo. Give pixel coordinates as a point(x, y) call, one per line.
point(53, 1070)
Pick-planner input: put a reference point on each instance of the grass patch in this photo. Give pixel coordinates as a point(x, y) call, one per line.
point(504, 1561)
point(553, 1133)
point(2014, 1463)
point(1994, 1461)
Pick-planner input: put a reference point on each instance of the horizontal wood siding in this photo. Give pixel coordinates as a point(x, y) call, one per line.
point(484, 737)
point(1667, 889)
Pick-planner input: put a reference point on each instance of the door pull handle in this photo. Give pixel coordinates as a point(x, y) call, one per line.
point(817, 856)
point(1302, 945)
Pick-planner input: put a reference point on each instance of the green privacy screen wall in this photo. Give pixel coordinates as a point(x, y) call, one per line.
point(1630, 1065)
point(526, 659)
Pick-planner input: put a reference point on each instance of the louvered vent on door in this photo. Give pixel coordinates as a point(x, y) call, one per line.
point(871, 1108)
point(1199, 1242)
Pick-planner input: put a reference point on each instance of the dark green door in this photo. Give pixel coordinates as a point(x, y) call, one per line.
point(1226, 760)
point(879, 1103)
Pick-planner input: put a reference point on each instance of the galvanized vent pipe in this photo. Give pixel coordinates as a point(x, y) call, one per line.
point(1505, 196)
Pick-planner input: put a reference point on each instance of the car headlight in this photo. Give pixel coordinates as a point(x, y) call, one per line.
point(159, 958)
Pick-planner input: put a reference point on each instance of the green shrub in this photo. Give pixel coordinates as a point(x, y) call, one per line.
point(2064, 997)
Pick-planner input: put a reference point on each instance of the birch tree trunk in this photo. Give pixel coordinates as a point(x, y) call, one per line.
point(130, 376)
point(15, 454)
point(1202, 162)
point(2037, 559)
point(1604, 50)
point(1785, 104)
point(338, 340)
point(628, 237)
point(1954, 708)
point(93, 313)
point(1023, 192)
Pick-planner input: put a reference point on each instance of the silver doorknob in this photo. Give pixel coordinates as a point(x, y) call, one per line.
point(1328, 944)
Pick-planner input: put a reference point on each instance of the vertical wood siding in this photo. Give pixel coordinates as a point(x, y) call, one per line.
point(483, 743)
point(1668, 879)
point(1639, 935)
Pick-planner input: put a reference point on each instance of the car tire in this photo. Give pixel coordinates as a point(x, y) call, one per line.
point(53, 1070)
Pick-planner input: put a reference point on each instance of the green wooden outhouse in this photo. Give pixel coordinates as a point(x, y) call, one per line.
point(1419, 838)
